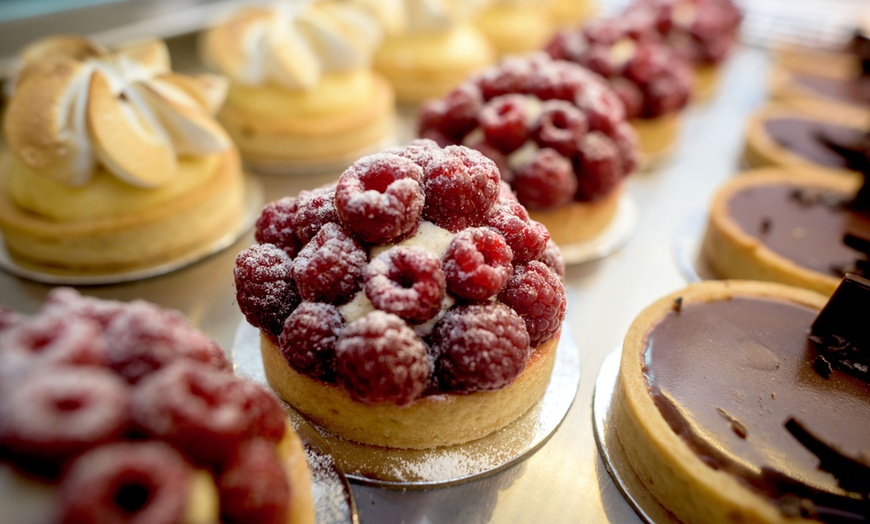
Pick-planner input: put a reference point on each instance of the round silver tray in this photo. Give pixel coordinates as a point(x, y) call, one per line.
point(617, 234)
point(623, 475)
point(253, 203)
point(396, 468)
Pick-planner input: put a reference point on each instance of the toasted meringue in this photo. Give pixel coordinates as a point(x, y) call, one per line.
point(76, 105)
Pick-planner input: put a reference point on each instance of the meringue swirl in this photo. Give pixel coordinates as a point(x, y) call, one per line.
point(292, 44)
point(76, 107)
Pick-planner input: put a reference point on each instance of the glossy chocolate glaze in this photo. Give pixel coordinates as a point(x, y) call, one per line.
point(848, 91)
point(728, 375)
point(801, 136)
point(804, 225)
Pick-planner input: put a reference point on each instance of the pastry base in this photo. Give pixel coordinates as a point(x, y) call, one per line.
point(656, 137)
point(135, 240)
point(427, 66)
point(664, 464)
point(759, 149)
point(706, 81)
point(437, 420)
point(732, 253)
point(278, 141)
point(579, 221)
point(292, 452)
point(515, 28)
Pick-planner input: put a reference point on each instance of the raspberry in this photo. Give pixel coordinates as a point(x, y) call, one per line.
point(455, 115)
point(330, 267)
point(503, 120)
point(625, 139)
point(526, 238)
point(460, 188)
point(308, 339)
point(380, 198)
point(137, 483)
point(494, 154)
point(407, 282)
point(9, 318)
point(553, 259)
point(547, 180)
point(630, 95)
point(598, 166)
point(535, 292)
point(559, 81)
point(597, 59)
point(52, 339)
point(505, 193)
point(267, 419)
point(379, 359)
point(603, 109)
point(202, 412)
point(254, 486)
point(315, 209)
point(477, 264)
point(560, 126)
point(421, 151)
point(57, 413)
point(277, 226)
point(567, 45)
point(68, 301)
point(482, 347)
point(144, 338)
point(265, 289)
point(511, 76)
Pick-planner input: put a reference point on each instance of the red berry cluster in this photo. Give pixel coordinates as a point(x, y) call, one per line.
point(701, 31)
point(649, 77)
point(117, 403)
point(419, 315)
point(556, 131)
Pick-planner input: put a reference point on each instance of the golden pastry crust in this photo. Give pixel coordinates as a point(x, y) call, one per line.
point(148, 237)
point(656, 137)
point(666, 466)
point(706, 81)
point(428, 65)
point(432, 421)
point(579, 221)
point(292, 452)
point(733, 253)
point(288, 137)
point(759, 149)
point(784, 88)
point(820, 62)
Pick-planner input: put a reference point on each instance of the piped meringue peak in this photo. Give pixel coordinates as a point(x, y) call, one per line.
point(407, 17)
point(292, 44)
point(76, 105)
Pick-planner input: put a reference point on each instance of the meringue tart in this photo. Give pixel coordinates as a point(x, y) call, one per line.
point(114, 162)
point(303, 96)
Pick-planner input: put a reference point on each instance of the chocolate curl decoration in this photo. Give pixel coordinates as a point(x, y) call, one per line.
point(840, 332)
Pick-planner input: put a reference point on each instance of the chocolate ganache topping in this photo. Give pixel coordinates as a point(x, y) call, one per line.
point(810, 139)
point(803, 224)
point(728, 375)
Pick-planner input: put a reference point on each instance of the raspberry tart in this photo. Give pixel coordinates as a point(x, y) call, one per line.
point(704, 32)
point(114, 163)
point(652, 80)
point(741, 401)
point(557, 132)
point(114, 412)
point(303, 94)
point(408, 306)
point(802, 227)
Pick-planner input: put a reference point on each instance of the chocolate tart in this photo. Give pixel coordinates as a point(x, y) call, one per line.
point(783, 226)
point(838, 96)
point(709, 377)
point(778, 135)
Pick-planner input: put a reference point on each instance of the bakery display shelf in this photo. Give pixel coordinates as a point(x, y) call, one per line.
point(565, 481)
point(446, 465)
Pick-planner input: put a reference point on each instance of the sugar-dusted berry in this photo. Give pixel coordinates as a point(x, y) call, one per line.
point(308, 339)
point(132, 482)
point(481, 347)
point(254, 487)
point(599, 167)
point(315, 209)
point(546, 180)
point(460, 188)
point(380, 359)
point(407, 282)
point(560, 126)
point(477, 264)
point(330, 267)
point(553, 259)
point(50, 340)
point(537, 294)
point(503, 120)
point(380, 198)
point(277, 225)
point(265, 290)
point(527, 238)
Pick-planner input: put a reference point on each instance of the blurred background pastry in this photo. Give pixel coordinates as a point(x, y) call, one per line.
point(303, 94)
point(114, 162)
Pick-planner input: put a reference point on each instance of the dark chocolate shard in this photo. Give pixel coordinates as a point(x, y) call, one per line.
point(857, 235)
point(822, 366)
point(677, 306)
point(852, 473)
point(840, 331)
